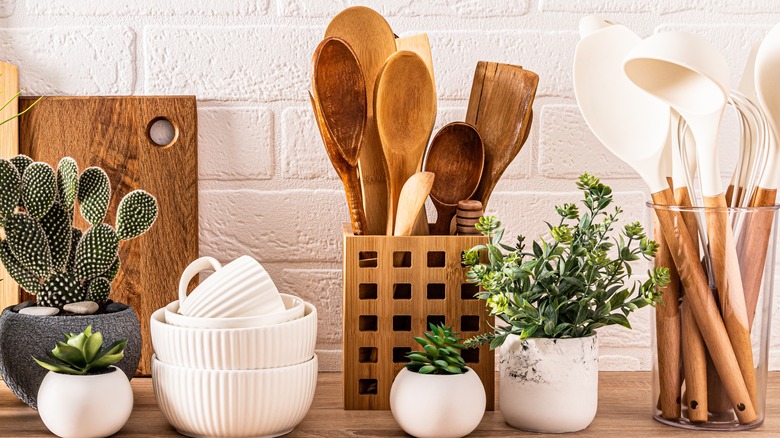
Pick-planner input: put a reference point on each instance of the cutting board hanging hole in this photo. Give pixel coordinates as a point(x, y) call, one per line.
point(162, 132)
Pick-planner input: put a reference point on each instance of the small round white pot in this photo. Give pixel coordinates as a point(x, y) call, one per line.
point(92, 406)
point(442, 406)
point(549, 385)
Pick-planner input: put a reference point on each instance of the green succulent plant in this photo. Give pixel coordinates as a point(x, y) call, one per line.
point(81, 354)
point(441, 352)
point(40, 247)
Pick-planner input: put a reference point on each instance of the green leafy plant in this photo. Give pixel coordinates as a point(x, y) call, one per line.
point(441, 352)
point(40, 247)
point(570, 284)
point(81, 354)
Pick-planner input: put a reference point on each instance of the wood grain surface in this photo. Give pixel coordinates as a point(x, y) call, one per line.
point(9, 147)
point(112, 132)
point(624, 410)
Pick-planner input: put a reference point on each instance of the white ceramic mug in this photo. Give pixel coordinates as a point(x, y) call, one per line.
point(242, 288)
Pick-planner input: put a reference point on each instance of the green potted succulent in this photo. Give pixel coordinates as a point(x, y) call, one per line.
point(70, 271)
point(82, 382)
point(436, 394)
point(551, 298)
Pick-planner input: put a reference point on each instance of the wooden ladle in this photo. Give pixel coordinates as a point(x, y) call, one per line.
point(456, 157)
point(405, 110)
point(339, 102)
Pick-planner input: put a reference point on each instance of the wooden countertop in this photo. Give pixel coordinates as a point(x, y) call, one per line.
point(624, 410)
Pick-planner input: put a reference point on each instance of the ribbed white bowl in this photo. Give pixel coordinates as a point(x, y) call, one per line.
point(261, 403)
point(272, 346)
point(292, 308)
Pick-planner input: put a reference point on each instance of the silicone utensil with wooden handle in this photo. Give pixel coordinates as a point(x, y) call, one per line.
point(412, 199)
point(633, 117)
point(456, 156)
point(500, 109)
point(405, 110)
point(339, 102)
point(625, 128)
point(372, 40)
point(756, 238)
point(688, 73)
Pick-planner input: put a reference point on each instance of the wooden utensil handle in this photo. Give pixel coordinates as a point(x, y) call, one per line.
point(694, 351)
point(725, 266)
point(351, 180)
point(444, 215)
point(753, 248)
point(703, 305)
point(667, 326)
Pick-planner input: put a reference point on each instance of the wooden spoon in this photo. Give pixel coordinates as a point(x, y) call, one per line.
point(372, 40)
point(500, 109)
point(405, 110)
point(420, 45)
point(413, 196)
point(456, 157)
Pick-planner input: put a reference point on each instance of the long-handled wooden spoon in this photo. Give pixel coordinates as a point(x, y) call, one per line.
point(456, 157)
point(599, 77)
point(405, 110)
point(339, 102)
point(412, 199)
point(372, 40)
point(500, 109)
point(688, 73)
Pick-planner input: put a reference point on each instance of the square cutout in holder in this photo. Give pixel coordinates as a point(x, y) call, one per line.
point(399, 354)
point(402, 259)
point(470, 355)
point(468, 290)
point(402, 323)
point(402, 291)
point(437, 259)
point(436, 291)
point(367, 386)
point(367, 291)
point(368, 323)
point(469, 323)
point(435, 320)
point(368, 259)
point(367, 354)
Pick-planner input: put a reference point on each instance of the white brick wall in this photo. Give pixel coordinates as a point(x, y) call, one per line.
point(267, 188)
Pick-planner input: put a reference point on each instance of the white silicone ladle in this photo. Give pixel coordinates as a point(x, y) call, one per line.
point(767, 69)
point(635, 127)
point(688, 73)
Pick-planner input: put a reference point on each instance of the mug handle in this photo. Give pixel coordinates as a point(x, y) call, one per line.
point(195, 268)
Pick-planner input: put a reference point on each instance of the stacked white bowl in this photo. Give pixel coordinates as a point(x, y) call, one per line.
point(235, 358)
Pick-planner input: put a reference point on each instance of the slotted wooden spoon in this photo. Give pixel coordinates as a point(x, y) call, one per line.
point(372, 40)
point(456, 157)
point(339, 102)
point(500, 108)
point(405, 110)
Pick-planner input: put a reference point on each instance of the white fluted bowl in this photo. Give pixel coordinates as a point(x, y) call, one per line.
point(259, 403)
point(272, 346)
point(293, 308)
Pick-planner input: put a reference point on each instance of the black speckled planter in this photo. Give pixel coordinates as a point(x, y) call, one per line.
point(25, 336)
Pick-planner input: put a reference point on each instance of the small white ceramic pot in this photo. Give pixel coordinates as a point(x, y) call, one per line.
point(293, 309)
point(92, 406)
point(437, 406)
point(240, 288)
point(272, 346)
point(549, 385)
point(220, 403)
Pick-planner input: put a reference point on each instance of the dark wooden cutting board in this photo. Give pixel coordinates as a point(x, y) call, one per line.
point(113, 133)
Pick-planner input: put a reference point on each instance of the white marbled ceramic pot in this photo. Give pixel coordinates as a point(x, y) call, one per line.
point(549, 385)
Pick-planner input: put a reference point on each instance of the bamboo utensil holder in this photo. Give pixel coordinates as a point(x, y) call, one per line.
point(385, 306)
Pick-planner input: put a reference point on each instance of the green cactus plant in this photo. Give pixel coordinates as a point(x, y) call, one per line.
point(441, 352)
point(81, 354)
point(40, 247)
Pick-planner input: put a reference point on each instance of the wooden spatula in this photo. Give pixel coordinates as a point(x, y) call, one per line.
point(340, 105)
point(500, 109)
point(369, 35)
point(413, 196)
point(405, 110)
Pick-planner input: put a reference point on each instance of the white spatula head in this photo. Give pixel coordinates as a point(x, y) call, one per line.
point(631, 124)
point(768, 92)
